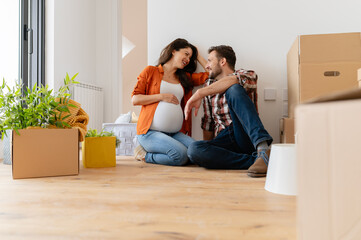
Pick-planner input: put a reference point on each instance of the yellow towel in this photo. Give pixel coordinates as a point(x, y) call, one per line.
point(81, 117)
point(78, 118)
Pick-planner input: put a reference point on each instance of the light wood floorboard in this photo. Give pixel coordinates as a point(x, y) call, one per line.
point(135, 200)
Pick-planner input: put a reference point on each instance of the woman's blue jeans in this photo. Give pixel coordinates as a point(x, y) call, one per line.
point(234, 147)
point(165, 148)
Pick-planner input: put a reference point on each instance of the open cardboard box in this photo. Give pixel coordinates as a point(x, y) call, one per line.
point(45, 153)
point(322, 64)
point(329, 167)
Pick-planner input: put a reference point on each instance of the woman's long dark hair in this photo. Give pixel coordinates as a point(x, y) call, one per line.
point(166, 55)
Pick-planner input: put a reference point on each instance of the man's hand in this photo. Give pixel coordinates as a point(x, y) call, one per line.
point(219, 86)
point(194, 102)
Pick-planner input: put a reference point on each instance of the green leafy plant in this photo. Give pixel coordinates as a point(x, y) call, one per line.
point(94, 133)
point(36, 107)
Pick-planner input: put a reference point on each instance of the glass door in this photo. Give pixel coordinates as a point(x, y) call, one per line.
point(32, 42)
point(9, 41)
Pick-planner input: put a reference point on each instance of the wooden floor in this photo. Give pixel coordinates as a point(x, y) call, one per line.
point(135, 200)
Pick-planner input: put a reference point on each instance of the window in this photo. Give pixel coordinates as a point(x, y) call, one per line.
point(32, 42)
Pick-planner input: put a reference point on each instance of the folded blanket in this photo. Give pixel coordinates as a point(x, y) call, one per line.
point(78, 118)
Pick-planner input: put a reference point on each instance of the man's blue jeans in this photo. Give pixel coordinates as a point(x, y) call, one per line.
point(234, 147)
point(165, 148)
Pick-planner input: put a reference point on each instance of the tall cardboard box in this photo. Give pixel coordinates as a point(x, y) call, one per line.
point(329, 167)
point(322, 64)
point(45, 153)
point(287, 130)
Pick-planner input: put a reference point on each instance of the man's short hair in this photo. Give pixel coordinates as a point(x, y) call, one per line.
point(226, 52)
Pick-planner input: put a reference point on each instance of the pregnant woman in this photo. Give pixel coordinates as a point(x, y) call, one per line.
point(163, 91)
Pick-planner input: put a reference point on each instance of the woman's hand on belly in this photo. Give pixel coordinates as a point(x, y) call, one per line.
point(168, 117)
point(170, 98)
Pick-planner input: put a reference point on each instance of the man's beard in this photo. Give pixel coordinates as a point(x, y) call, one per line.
point(215, 72)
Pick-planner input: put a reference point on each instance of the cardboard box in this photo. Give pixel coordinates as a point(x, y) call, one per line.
point(329, 167)
point(287, 130)
point(98, 152)
point(45, 153)
point(322, 64)
point(359, 77)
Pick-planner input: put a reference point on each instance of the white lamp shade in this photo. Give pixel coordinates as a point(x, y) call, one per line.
point(282, 170)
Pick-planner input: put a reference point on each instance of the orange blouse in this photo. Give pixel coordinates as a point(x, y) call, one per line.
point(149, 81)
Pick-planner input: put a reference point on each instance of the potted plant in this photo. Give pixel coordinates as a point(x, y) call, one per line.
point(36, 107)
point(98, 149)
point(52, 151)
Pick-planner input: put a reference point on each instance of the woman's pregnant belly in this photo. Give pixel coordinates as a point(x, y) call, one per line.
point(168, 118)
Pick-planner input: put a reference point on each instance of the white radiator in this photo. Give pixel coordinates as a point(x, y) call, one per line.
point(91, 98)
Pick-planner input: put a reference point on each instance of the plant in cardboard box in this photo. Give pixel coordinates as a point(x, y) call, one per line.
point(52, 151)
point(98, 149)
point(39, 107)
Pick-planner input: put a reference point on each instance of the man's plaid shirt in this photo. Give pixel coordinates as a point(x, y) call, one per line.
point(216, 112)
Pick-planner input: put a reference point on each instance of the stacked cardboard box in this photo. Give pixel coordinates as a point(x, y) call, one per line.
point(329, 167)
point(287, 130)
point(322, 64)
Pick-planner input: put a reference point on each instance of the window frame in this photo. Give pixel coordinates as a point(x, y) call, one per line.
point(32, 42)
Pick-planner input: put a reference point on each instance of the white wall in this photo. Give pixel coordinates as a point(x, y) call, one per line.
point(109, 55)
point(134, 28)
point(74, 40)
point(82, 37)
point(260, 31)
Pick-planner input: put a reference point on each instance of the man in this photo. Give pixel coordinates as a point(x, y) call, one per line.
point(234, 136)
